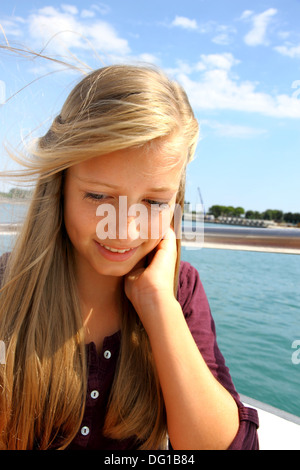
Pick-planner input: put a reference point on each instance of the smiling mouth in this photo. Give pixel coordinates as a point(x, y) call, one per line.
point(114, 250)
point(115, 254)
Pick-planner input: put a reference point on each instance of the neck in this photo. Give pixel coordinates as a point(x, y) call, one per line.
point(98, 289)
point(100, 301)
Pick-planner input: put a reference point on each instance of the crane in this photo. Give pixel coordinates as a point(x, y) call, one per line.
point(199, 192)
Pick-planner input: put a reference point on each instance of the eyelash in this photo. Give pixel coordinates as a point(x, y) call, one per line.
point(99, 197)
point(156, 203)
point(93, 196)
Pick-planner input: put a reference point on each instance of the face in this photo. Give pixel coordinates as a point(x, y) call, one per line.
point(118, 206)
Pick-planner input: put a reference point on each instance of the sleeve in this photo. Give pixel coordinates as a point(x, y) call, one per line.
point(195, 307)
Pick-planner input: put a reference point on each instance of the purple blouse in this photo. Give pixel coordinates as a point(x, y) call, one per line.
point(101, 370)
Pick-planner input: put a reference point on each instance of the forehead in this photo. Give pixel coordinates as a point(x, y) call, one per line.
point(156, 163)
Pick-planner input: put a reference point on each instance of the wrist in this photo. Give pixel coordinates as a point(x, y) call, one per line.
point(159, 311)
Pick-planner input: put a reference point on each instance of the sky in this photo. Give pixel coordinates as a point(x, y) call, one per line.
point(239, 62)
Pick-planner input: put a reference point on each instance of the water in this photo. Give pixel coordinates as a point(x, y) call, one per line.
point(255, 302)
point(12, 212)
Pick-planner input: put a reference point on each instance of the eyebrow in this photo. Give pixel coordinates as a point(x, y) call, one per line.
point(159, 189)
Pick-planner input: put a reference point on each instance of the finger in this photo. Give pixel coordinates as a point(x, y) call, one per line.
point(168, 242)
point(166, 253)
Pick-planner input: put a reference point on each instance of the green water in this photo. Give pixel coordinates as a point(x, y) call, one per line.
point(255, 301)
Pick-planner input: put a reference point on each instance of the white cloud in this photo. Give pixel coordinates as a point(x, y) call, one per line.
point(184, 22)
point(149, 58)
point(232, 130)
point(66, 29)
point(216, 88)
point(289, 50)
point(224, 35)
point(87, 14)
point(104, 38)
point(48, 22)
point(219, 61)
point(246, 14)
point(221, 34)
point(12, 27)
point(222, 39)
point(101, 8)
point(70, 9)
point(67, 32)
point(257, 35)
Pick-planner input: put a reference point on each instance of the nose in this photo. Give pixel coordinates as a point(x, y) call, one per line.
point(133, 228)
point(134, 224)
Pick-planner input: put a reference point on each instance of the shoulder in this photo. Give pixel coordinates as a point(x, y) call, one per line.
point(186, 270)
point(190, 288)
point(188, 276)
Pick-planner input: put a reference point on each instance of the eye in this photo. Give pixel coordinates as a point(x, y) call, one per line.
point(157, 205)
point(94, 196)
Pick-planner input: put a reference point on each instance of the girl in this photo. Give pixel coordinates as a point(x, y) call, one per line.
point(109, 340)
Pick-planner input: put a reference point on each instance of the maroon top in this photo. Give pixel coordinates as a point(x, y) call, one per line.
point(195, 307)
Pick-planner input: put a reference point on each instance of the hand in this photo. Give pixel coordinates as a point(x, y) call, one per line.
point(147, 286)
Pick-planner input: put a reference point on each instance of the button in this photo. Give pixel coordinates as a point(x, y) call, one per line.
point(107, 354)
point(85, 430)
point(95, 394)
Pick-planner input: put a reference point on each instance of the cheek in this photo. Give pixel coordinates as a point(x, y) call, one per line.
point(79, 222)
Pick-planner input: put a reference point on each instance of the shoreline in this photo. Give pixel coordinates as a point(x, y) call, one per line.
point(246, 239)
point(13, 201)
point(277, 240)
point(225, 246)
point(272, 226)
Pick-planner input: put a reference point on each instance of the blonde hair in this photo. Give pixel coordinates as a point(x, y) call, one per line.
point(44, 381)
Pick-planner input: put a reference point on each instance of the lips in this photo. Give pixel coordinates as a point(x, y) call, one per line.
point(114, 250)
point(115, 254)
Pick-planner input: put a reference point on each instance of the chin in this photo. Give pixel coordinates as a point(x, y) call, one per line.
point(115, 271)
point(105, 267)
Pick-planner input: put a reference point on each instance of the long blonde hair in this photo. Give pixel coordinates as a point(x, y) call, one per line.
point(44, 381)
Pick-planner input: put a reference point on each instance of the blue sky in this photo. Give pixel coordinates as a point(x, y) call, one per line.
point(239, 62)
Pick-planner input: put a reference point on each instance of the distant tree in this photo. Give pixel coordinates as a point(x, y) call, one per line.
point(5, 195)
point(238, 211)
point(273, 214)
point(277, 215)
point(216, 210)
point(292, 218)
point(230, 211)
point(19, 193)
point(268, 214)
point(288, 217)
point(226, 211)
point(249, 215)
